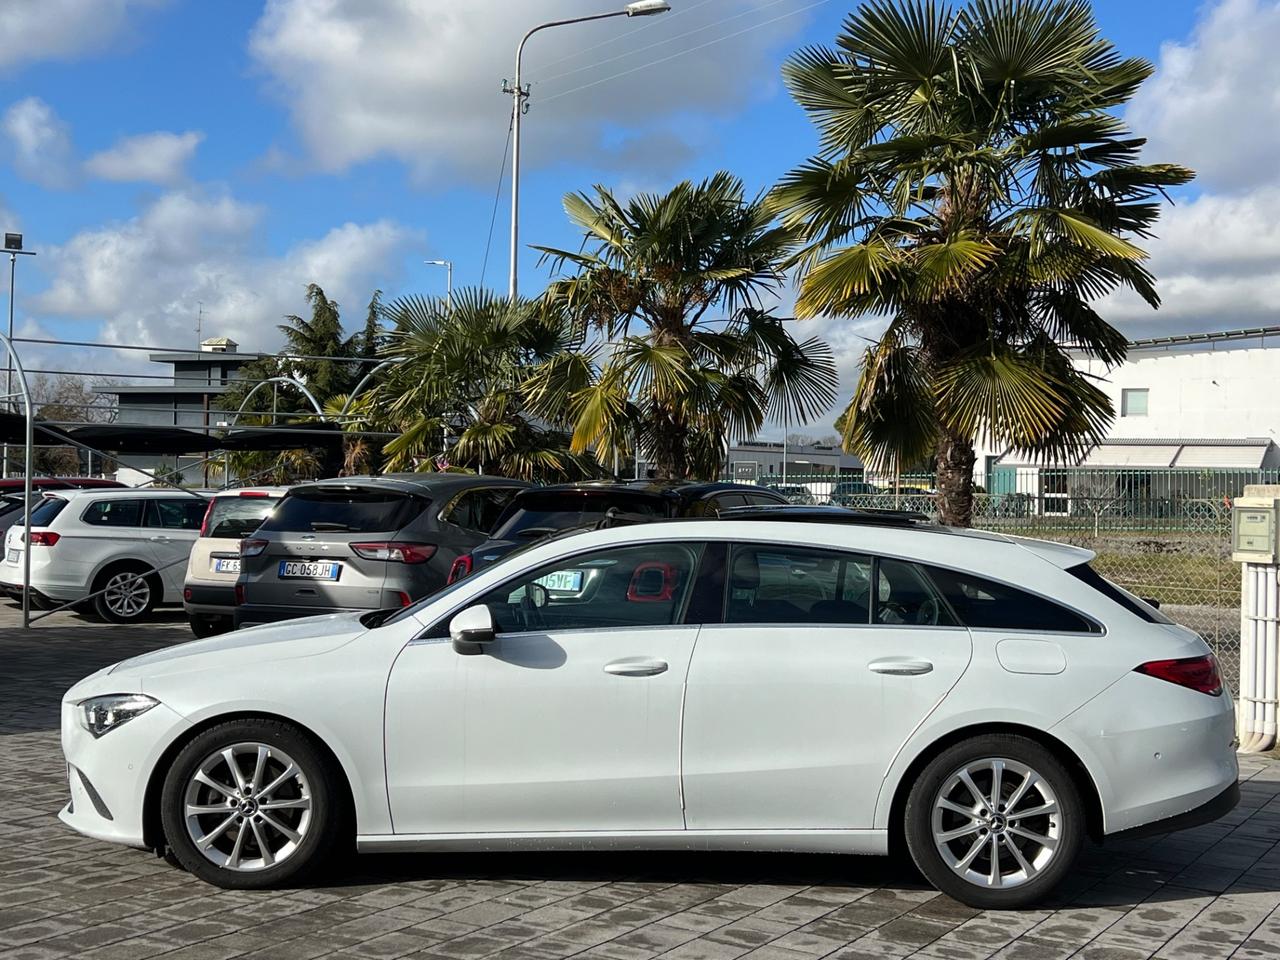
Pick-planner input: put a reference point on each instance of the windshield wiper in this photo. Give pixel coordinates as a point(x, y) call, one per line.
point(330, 525)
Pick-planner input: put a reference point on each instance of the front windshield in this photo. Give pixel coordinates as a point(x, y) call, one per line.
point(537, 515)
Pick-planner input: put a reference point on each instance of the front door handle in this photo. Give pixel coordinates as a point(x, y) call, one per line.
point(636, 667)
point(161, 538)
point(900, 666)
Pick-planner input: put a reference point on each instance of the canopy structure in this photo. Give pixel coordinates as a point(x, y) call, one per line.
point(126, 438)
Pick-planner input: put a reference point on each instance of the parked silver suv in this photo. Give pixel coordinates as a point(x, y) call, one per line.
point(364, 543)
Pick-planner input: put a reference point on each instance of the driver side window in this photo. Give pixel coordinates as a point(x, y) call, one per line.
point(635, 586)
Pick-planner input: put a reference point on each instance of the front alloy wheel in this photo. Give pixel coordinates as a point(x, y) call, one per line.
point(994, 821)
point(248, 804)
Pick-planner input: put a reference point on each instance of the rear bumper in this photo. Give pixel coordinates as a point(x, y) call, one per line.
point(209, 600)
point(1207, 812)
point(256, 614)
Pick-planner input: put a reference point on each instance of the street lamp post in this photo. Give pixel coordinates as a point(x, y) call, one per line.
point(13, 246)
point(639, 8)
point(448, 266)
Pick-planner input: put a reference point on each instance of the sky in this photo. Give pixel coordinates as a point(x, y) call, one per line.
point(175, 159)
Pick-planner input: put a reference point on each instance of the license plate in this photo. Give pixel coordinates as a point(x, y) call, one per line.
point(226, 564)
point(566, 581)
point(13, 556)
point(309, 570)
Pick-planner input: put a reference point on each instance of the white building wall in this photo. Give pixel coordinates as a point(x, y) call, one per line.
point(1228, 394)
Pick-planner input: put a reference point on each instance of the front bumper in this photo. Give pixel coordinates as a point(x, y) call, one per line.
point(108, 776)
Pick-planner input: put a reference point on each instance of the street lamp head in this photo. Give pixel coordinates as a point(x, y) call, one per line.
point(13, 241)
point(647, 8)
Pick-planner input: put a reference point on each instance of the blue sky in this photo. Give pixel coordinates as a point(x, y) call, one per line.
point(345, 141)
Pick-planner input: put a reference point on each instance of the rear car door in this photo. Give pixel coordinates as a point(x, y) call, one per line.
point(324, 547)
point(797, 703)
point(173, 524)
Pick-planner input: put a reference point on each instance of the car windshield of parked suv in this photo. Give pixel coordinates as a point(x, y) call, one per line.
point(233, 517)
point(343, 510)
point(539, 514)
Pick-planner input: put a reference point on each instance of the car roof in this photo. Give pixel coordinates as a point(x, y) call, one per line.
point(115, 493)
point(431, 484)
point(666, 489)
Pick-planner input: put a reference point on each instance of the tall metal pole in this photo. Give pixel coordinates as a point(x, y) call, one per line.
point(641, 8)
point(8, 367)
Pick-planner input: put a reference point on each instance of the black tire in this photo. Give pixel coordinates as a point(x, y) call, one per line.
point(321, 834)
point(205, 626)
point(992, 828)
point(144, 594)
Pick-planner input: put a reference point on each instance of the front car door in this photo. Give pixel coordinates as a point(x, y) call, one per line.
point(798, 702)
point(569, 721)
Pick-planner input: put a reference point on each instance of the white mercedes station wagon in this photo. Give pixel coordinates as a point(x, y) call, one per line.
point(736, 683)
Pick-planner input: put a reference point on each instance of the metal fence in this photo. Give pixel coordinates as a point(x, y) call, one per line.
point(1165, 535)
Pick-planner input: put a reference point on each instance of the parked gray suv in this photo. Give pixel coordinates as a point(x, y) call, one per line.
point(364, 543)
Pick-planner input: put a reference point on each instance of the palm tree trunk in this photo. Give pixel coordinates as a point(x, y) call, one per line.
point(954, 462)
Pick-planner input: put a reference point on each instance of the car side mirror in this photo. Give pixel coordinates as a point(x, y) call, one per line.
point(471, 629)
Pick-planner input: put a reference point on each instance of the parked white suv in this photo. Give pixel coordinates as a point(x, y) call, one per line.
point(209, 593)
point(86, 541)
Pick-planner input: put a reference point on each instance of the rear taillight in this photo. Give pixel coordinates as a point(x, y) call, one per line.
point(251, 547)
point(44, 538)
point(1196, 673)
point(240, 594)
point(395, 551)
point(204, 524)
point(186, 594)
point(461, 567)
point(405, 600)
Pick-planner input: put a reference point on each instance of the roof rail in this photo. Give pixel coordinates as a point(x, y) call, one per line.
point(798, 513)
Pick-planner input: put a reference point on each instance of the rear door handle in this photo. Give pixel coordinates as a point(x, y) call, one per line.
point(161, 538)
point(901, 666)
point(636, 667)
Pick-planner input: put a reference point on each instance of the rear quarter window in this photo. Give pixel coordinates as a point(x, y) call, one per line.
point(1135, 605)
point(343, 510)
point(988, 605)
point(42, 513)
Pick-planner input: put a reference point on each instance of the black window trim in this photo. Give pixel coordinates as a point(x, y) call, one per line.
point(142, 511)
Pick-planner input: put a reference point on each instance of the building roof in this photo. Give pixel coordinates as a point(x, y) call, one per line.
point(219, 342)
point(165, 389)
point(201, 356)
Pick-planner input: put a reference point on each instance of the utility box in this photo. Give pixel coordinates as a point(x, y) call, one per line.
point(1255, 525)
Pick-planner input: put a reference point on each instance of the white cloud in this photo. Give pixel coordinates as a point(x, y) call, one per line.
point(1214, 102)
point(143, 278)
point(40, 143)
point(418, 80)
point(34, 30)
point(1213, 106)
point(159, 157)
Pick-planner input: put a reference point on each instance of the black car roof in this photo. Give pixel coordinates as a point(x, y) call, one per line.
point(666, 489)
point(433, 484)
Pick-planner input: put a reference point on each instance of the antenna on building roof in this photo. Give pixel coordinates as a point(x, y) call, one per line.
point(199, 323)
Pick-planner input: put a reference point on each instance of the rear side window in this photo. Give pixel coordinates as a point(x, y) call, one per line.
point(343, 510)
point(114, 513)
point(478, 510)
point(184, 514)
point(986, 604)
point(42, 513)
point(779, 584)
point(538, 514)
point(232, 518)
point(1134, 605)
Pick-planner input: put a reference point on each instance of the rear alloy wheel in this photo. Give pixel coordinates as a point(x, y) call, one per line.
point(127, 596)
point(994, 822)
point(249, 804)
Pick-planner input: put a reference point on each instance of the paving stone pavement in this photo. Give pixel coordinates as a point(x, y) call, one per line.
point(1209, 892)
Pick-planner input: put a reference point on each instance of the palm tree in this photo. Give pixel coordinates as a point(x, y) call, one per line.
point(975, 187)
point(456, 395)
point(668, 292)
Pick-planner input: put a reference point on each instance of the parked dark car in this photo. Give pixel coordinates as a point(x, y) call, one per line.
point(543, 511)
point(852, 492)
point(364, 543)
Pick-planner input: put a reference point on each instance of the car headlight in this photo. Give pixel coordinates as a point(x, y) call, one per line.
point(101, 715)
